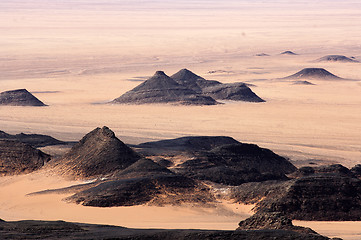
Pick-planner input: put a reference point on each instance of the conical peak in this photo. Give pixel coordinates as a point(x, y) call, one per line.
point(185, 74)
point(159, 74)
point(19, 91)
point(103, 133)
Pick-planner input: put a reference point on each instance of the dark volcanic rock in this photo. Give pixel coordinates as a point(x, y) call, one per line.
point(323, 194)
point(20, 97)
point(34, 140)
point(236, 164)
point(196, 143)
point(64, 230)
point(18, 158)
point(356, 170)
point(100, 152)
point(232, 91)
point(162, 89)
point(220, 159)
point(314, 73)
point(288, 53)
point(271, 220)
point(190, 80)
point(303, 83)
point(159, 189)
point(335, 58)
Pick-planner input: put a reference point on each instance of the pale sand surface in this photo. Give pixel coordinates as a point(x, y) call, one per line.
point(15, 205)
point(74, 54)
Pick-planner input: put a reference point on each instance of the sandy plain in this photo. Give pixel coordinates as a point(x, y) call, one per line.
point(76, 56)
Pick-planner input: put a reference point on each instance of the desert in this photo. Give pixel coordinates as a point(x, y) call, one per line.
point(220, 164)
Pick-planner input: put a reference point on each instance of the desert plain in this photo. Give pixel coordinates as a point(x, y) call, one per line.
point(77, 56)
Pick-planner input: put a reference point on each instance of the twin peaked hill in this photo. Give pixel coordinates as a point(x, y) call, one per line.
point(187, 88)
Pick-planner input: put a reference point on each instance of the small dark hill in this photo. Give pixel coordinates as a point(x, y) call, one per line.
point(190, 80)
point(288, 53)
point(142, 168)
point(335, 58)
point(328, 193)
point(271, 220)
point(232, 91)
point(34, 140)
point(162, 89)
point(100, 152)
point(262, 55)
point(20, 97)
point(302, 83)
point(314, 73)
point(235, 164)
point(19, 158)
point(196, 143)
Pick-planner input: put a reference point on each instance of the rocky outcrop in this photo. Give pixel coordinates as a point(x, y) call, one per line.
point(313, 73)
point(34, 140)
point(100, 152)
point(19, 230)
point(19, 97)
point(271, 220)
point(327, 193)
point(144, 182)
point(232, 91)
point(335, 58)
point(20, 158)
point(236, 164)
point(219, 159)
point(162, 89)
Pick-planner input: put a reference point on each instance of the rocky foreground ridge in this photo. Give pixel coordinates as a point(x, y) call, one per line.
point(191, 170)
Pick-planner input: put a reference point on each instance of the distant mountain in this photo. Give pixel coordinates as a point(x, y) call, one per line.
point(162, 89)
point(20, 158)
point(232, 91)
point(99, 152)
point(35, 140)
point(288, 53)
point(185, 87)
point(335, 58)
point(262, 55)
point(20, 97)
point(313, 73)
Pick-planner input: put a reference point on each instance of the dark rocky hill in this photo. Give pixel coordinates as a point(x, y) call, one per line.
point(162, 89)
point(313, 73)
point(20, 97)
point(35, 140)
point(262, 55)
point(20, 158)
point(302, 83)
point(100, 152)
point(335, 58)
point(144, 182)
point(288, 53)
point(189, 144)
point(232, 91)
point(326, 193)
point(49, 230)
point(236, 164)
point(190, 80)
point(219, 159)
